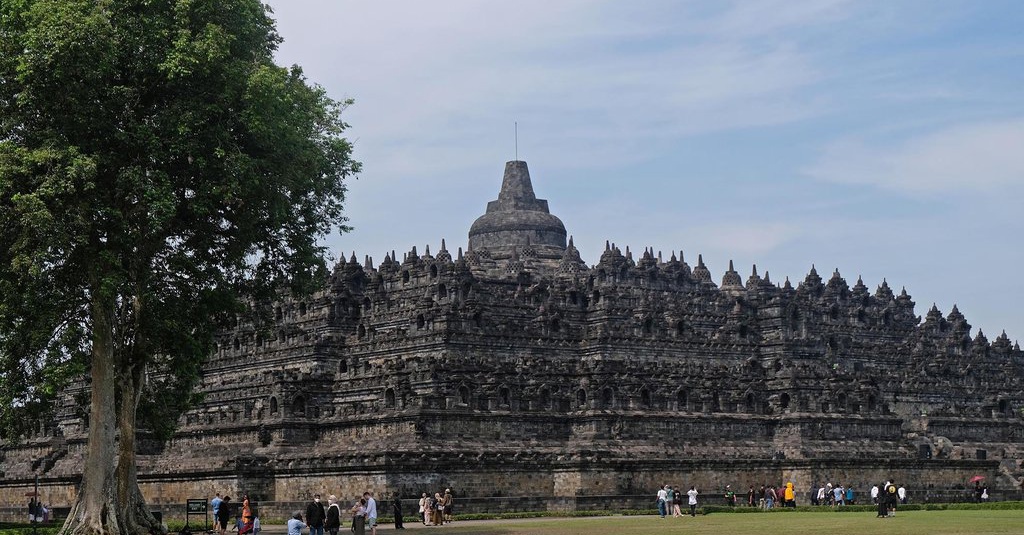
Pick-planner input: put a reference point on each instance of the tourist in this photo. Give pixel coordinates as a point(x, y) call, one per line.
point(315, 516)
point(670, 497)
point(332, 520)
point(449, 505)
point(730, 496)
point(820, 496)
point(837, 495)
point(771, 497)
point(424, 503)
point(750, 497)
point(984, 494)
point(790, 495)
point(359, 517)
point(223, 514)
point(849, 495)
point(215, 505)
point(246, 510)
point(371, 512)
point(437, 516)
point(677, 503)
point(295, 524)
point(883, 506)
point(692, 494)
point(662, 496)
point(429, 511)
point(442, 507)
point(874, 494)
point(892, 498)
point(902, 493)
point(396, 509)
point(760, 497)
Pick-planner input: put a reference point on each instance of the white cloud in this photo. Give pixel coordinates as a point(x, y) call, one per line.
point(589, 78)
point(981, 157)
point(683, 125)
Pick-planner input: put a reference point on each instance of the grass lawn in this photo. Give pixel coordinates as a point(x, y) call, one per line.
point(991, 522)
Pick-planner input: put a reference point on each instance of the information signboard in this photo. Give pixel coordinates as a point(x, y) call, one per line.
point(197, 507)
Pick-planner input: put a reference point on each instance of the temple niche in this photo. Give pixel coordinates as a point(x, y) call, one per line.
point(513, 368)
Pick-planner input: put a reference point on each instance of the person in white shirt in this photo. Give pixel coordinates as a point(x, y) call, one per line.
point(902, 492)
point(662, 496)
point(874, 494)
point(692, 493)
point(371, 512)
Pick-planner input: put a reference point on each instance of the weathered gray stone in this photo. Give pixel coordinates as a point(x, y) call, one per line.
point(516, 370)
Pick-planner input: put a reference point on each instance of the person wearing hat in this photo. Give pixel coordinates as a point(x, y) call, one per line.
point(449, 503)
point(295, 524)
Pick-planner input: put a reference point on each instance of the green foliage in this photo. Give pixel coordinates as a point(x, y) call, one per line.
point(152, 156)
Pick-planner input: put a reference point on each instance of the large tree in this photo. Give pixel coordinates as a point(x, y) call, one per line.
point(155, 165)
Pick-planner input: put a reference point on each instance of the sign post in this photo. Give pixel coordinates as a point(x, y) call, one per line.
point(35, 511)
point(197, 507)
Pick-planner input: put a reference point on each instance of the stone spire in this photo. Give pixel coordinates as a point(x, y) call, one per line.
point(701, 273)
point(443, 255)
point(731, 279)
point(518, 218)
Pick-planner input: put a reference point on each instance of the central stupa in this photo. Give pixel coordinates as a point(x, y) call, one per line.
point(518, 222)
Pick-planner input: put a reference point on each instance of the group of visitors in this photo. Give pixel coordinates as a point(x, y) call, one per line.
point(671, 499)
point(222, 508)
point(769, 496)
point(882, 496)
point(320, 519)
point(887, 499)
point(437, 510)
point(38, 511)
point(327, 520)
point(980, 492)
point(835, 496)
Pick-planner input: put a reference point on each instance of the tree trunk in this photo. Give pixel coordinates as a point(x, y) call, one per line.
point(137, 517)
point(96, 510)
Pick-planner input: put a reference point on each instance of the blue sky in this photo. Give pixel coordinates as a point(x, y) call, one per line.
point(885, 139)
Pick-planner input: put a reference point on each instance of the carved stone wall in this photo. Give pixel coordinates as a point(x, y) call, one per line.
point(516, 370)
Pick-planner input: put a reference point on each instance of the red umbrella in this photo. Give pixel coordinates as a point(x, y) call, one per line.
point(976, 479)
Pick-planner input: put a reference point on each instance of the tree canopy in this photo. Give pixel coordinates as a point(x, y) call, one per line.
point(156, 166)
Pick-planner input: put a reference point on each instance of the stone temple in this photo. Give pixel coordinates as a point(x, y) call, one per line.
point(522, 378)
